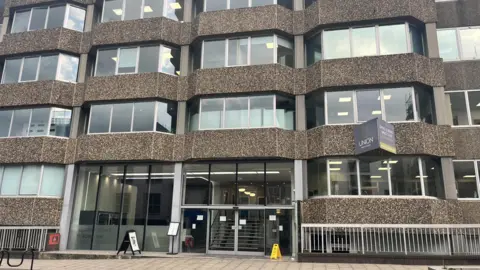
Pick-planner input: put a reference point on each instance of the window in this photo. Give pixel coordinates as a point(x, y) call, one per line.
point(467, 179)
point(374, 176)
point(309, 2)
point(357, 106)
point(48, 17)
point(214, 5)
point(465, 107)
point(246, 51)
point(133, 117)
point(459, 43)
point(242, 112)
point(133, 60)
point(365, 41)
point(120, 10)
point(35, 122)
point(61, 67)
point(32, 180)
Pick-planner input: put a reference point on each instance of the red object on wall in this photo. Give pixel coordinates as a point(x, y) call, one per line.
point(53, 242)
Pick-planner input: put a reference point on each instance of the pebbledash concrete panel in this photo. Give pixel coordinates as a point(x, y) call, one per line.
point(386, 69)
point(458, 13)
point(56, 39)
point(40, 93)
point(461, 75)
point(466, 143)
point(30, 211)
point(37, 150)
point(386, 211)
point(414, 138)
point(327, 12)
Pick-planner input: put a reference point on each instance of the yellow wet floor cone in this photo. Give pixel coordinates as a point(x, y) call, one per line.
point(276, 254)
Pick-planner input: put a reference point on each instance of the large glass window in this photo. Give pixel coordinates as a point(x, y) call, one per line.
point(365, 41)
point(459, 43)
point(47, 17)
point(35, 122)
point(375, 176)
point(465, 107)
point(141, 59)
point(32, 180)
point(242, 112)
point(119, 10)
point(60, 67)
point(214, 5)
point(246, 51)
point(467, 179)
point(133, 117)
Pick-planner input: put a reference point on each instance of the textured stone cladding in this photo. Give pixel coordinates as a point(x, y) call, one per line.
point(462, 75)
point(389, 211)
point(467, 144)
point(37, 150)
point(30, 211)
point(412, 139)
point(458, 13)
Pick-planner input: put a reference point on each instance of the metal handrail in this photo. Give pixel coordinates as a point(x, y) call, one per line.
point(18, 238)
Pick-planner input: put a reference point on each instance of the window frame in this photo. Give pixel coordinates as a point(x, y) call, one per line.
point(155, 118)
point(142, 10)
point(382, 106)
point(459, 41)
point(422, 179)
point(40, 182)
point(477, 177)
point(65, 17)
point(467, 104)
point(275, 2)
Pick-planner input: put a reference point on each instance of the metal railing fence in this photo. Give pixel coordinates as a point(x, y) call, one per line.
point(22, 238)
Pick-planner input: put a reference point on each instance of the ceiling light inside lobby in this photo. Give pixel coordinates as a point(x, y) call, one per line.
point(175, 5)
point(345, 99)
point(118, 11)
point(147, 9)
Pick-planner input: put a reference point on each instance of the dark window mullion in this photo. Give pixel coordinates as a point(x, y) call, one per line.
point(121, 204)
point(95, 217)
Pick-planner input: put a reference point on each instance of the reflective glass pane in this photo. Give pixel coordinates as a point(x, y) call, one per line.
point(20, 125)
point(153, 8)
point(314, 49)
point(470, 40)
point(56, 17)
point(285, 3)
point(285, 112)
point(447, 43)
point(60, 122)
point(174, 9)
point(425, 105)
point(258, 3)
point(285, 52)
point(76, 18)
point(166, 117)
point(416, 36)
point(432, 177)
point(261, 111)
point(237, 51)
point(398, 104)
point(309, 2)
point(100, 118)
point(372, 180)
point(343, 177)
point(340, 107)
point(336, 44)
point(52, 181)
point(251, 183)
point(30, 67)
point(39, 122)
point(211, 116)
point(315, 104)
point(238, 4)
point(48, 67)
point(212, 5)
point(30, 180)
point(368, 105)
point(106, 62)
point(5, 119)
point(20, 21)
point(170, 60)
point(68, 68)
point(262, 50)
point(122, 117)
point(39, 16)
point(236, 113)
point(466, 179)
point(405, 175)
point(148, 61)
point(11, 180)
point(393, 39)
point(213, 53)
point(223, 188)
point(364, 41)
point(143, 116)
point(112, 10)
point(128, 60)
point(474, 100)
point(459, 108)
point(196, 183)
point(279, 182)
point(133, 9)
point(11, 71)
point(317, 177)
point(193, 114)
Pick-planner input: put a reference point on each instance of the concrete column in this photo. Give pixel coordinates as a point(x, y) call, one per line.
point(181, 117)
point(299, 52)
point(176, 204)
point(82, 68)
point(76, 122)
point(449, 185)
point(89, 18)
point(185, 60)
point(440, 105)
point(67, 207)
point(298, 5)
point(187, 10)
point(448, 111)
point(300, 113)
point(432, 41)
point(3, 31)
point(300, 180)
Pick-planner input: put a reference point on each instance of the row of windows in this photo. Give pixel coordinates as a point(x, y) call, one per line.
point(404, 176)
point(133, 117)
point(242, 112)
point(364, 41)
point(119, 10)
point(214, 5)
point(459, 43)
point(47, 17)
point(35, 122)
point(60, 67)
point(467, 179)
point(465, 107)
point(32, 180)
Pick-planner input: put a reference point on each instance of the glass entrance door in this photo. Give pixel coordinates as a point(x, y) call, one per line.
point(251, 231)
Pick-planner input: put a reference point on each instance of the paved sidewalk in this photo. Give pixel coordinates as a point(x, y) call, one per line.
point(201, 263)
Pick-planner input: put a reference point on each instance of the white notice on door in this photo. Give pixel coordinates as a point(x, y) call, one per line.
point(280, 228)
point(272, 218)
point(200, 217)
point(243, 222)
point(194, 226)
point(223, 218)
